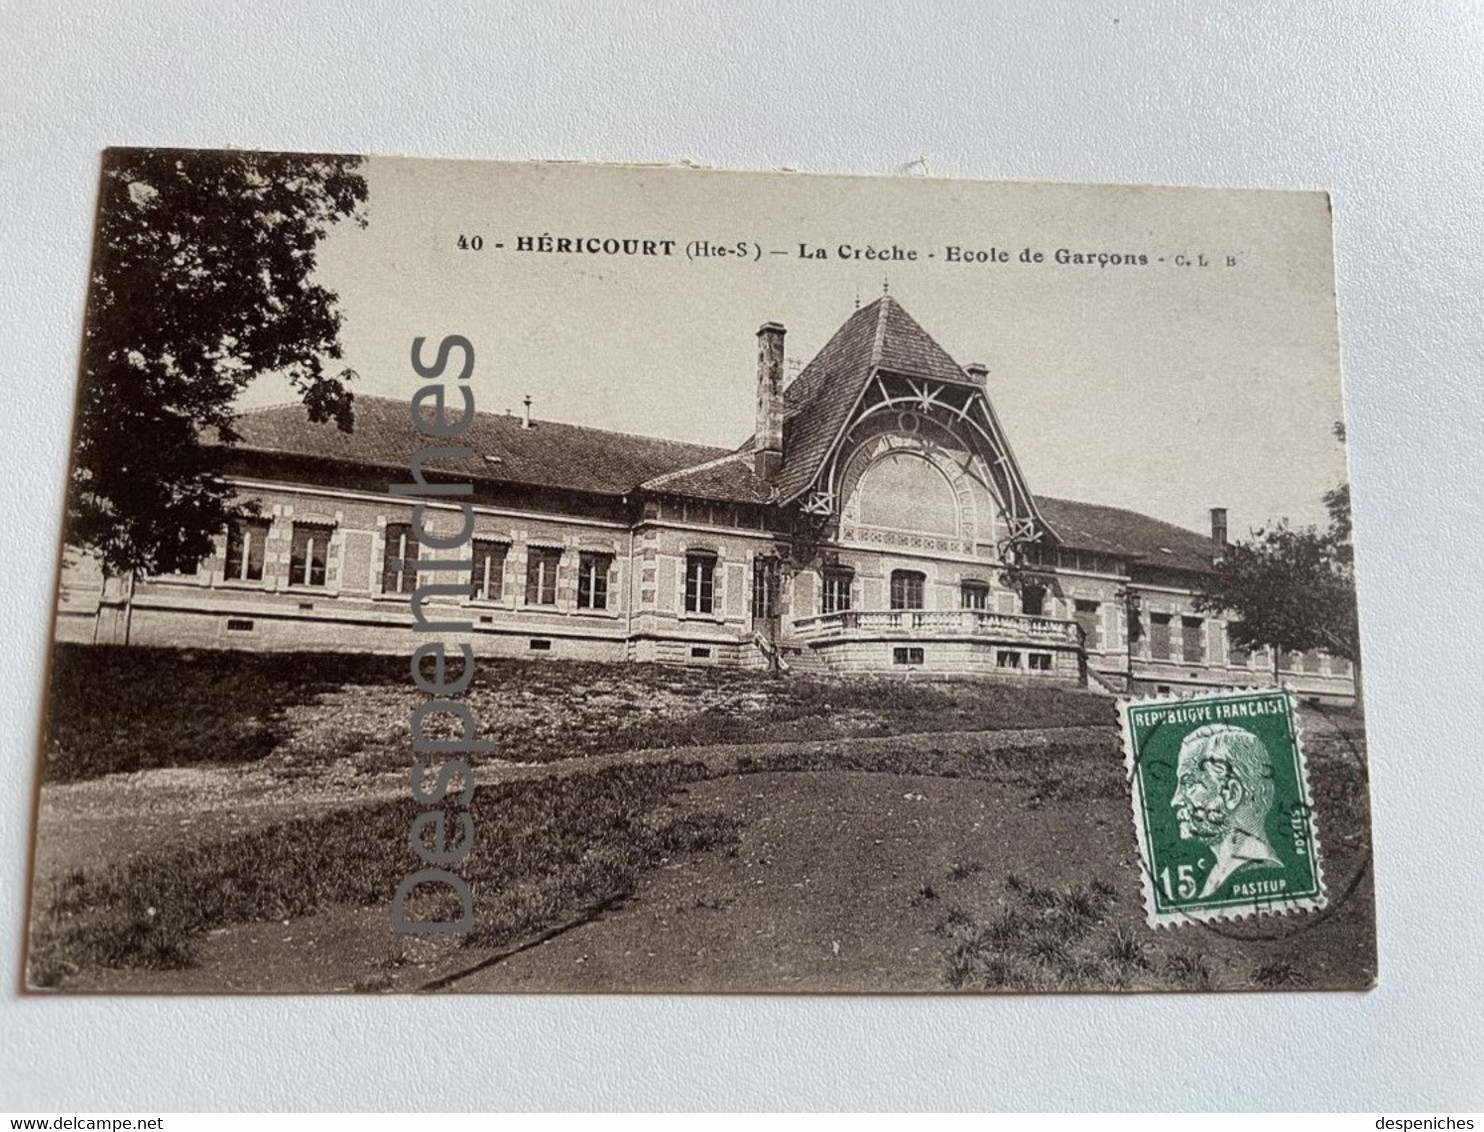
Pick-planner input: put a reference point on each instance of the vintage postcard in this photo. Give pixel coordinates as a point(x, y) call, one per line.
point(549, 577)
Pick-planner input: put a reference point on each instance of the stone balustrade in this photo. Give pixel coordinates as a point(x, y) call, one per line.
point(1016, 627)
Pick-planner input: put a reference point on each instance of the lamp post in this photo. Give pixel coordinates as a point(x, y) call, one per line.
point(1132, 606)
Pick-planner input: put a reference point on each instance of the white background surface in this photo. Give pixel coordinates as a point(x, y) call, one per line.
point(1383, 105)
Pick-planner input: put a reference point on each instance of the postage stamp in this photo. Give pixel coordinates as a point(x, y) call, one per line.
point(1221, 806)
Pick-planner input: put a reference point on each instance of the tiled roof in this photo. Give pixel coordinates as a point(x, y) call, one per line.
point(594, 461)
point(552, 455)
point(1113, 530)
point(818, 402)
point(730, 478)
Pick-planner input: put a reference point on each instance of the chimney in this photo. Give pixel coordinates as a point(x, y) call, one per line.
point(768, 441)
point(525, 420)
point(1218, 527)
point(978, 373)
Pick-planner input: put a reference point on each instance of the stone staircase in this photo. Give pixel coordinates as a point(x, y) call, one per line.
point(1103, 685)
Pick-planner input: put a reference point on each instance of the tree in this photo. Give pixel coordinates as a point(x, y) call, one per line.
point(1292, 588)
point(201, 280)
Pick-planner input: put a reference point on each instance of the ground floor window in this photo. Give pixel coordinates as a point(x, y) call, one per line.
point(1159, 636)
point(592, 580)
point(906, 589)
point(1192, 647)
point(398, 569)
point(246, 542)
point(1033, 601)
point(836, 596)
point(1038, 661)
point(541, 575)
point(309, 551)
point(974, 595)
point(764, 588)
point(487, 581)
point(907, 655)
point(1086, 615)
point(1007, 658)
point(700, 583)
point(1236, 655)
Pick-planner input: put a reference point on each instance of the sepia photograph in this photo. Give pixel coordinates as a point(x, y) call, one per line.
point(548, 577)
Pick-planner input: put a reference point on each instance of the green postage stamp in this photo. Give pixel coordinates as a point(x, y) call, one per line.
point(1222, 806)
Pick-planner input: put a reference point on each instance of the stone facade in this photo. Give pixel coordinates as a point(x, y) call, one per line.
point(895, 535)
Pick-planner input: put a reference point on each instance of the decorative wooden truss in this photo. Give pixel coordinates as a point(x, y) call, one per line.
point(964, 412)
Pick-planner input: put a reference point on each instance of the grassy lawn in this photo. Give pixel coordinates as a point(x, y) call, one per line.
point(115, 709)
point(1053, 924)
point(1041, 896)
point(118, 709)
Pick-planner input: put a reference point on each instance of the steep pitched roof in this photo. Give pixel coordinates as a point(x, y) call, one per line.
point(595, 461)
point(552, 455)
point(817, 403)
point(1114, 530)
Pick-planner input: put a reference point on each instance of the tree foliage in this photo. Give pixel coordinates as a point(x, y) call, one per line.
point(1291, 588)
point(202, 279)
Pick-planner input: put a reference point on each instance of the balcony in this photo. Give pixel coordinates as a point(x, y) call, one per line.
point(915, 624)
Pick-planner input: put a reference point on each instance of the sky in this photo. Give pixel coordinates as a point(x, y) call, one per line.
point(1163, 388)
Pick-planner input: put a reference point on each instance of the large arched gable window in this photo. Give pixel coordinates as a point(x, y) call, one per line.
point(905, 492)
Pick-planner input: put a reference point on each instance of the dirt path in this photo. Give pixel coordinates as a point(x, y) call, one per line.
point(837, 884)
point(107, 821)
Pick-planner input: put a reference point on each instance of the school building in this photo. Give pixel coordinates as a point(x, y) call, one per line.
point(876, 521)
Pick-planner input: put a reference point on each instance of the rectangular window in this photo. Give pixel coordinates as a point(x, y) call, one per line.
point(764, 589)
point(907, 655)
point(1236, 656)
point(487, 579)
point(1086, 614)
point(592, 580)
point(308, 552)
point(1033, 601)
point(541, 575)
point(700, 583)
point(836, 597)
point(1006, 659)
point(1159, 636)
point(974, 595)
point(1192, 649)
point(398, 569)
point(1039, 661)
point(246, 541)
point(906, 589)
